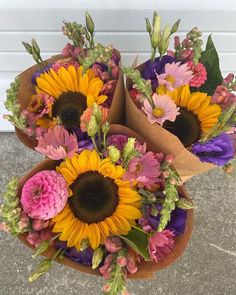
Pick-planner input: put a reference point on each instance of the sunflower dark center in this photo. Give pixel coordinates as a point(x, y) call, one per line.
point(69, 107)
point(94, 197)
point(186, 127)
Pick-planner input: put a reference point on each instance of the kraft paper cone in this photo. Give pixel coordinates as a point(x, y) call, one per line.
point(186, 164)
point(145, 269)
point(26, 89)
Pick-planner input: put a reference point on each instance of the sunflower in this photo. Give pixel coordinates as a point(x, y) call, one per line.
point(100, 203)
point(197, 114)
point(73, 92)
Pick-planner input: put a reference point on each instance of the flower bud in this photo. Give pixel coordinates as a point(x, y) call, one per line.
point(28, 48)
point(35, 47)
point(175, 26)
point(97, 113)
point(40, 270)
point(97, 257)
point(106, 128)
point(114, 154)
point(41, 248)
point(84, 245)
point(155, 37)
point(129, 147)
point(177, 42)
point(148, 26)
point(106, 288)
point(89, 23)
point(121, 261)
point(229, 168)
point(92, 128)
point(169, 159)
point(38, 224)
point(228, 79)
point(113, 244)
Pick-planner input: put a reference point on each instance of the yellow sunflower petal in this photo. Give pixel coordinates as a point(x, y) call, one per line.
point(72, 72)
point(58, 80)
point(90, 100)
point(94, 161)
point(46, 87)
point(83, 84)
point(128, 211)
point(94, 235)
point(101, 99)
point(185, 96)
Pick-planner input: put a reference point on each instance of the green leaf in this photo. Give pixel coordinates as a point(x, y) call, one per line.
point(185, 204)
point(210, 59)
point(138, 241)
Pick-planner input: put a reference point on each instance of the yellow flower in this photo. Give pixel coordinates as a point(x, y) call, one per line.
point(71, 80)
point(197, 114)
point(73, 92)
point(100, 203)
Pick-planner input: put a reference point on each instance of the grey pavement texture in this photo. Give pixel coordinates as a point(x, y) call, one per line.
point(208, 265)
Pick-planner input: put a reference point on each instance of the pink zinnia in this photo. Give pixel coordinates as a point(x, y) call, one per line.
point(144, 170)
point(165, 109)
point(57, 143)
point(85, 118)
point(199, 74)
point(161, 244)
point(175, 75)
point(44, 195)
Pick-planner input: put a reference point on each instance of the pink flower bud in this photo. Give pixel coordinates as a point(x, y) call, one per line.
point(170, 53)
point(186, 54)
point(177, 42)
point(125, 292)
point(131, 266)
point(4, 227)
point(169, 159)
point(166, 174)
point(106, 288)
point(113, 244)
point(24, 221)
point(220, 95)
point(228, 79)
point(121, 261)
point(38, 224)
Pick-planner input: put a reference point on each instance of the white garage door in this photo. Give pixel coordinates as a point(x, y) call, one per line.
point(119, 22)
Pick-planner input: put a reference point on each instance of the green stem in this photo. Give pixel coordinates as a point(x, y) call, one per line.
point(56, 254)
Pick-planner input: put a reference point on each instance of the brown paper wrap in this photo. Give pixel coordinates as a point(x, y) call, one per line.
point(184, 162)
point(145, 269)
point(26, 89)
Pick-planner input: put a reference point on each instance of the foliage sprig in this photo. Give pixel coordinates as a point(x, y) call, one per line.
point(12, 105)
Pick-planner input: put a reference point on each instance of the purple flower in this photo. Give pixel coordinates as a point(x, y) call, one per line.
point(83, 257)
point(156, 67)
point(38, 73)
point(176, 223)
point(218, 150)
point(84, 141)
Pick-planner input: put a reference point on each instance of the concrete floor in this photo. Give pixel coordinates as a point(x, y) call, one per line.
point(207, 267)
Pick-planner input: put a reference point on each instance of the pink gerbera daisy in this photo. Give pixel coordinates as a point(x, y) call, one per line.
point(175, 75)
point(57, 144)
point(164, 109)
point(145, 170)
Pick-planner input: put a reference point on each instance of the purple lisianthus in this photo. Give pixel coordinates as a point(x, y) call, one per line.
point(84, 141)
point(176, 223)
point(38, 73)
point(156, 67)
point(218, 150)
point(84, 257)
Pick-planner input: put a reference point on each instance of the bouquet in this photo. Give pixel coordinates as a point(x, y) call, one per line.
point(57, 91)
point(114, 209)
point(181, 98)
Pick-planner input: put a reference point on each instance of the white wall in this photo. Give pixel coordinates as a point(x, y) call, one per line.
point(119, 22)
